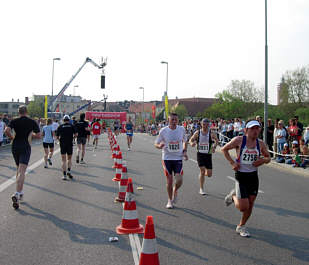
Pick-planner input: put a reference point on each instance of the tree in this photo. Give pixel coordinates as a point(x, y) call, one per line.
point(181, 111)
point(297, 82)
point(245, 90)
point(36, 108)
point(303, 115)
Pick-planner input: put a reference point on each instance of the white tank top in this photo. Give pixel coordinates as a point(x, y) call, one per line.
point(203, 145)
point(248, 156)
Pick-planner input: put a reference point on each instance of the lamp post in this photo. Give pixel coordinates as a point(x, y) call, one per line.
point(266, 79)
point(54, 59)
point(143, 105)
point(166, 89)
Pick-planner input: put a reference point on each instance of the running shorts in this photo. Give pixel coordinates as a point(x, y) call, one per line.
point(66, 149)
point(46, 145)
point(172, 166)
point(204, 160)
point(81, 140)
point(22, 156)
point(129, 134)
point(95, 136)
point(247, 183)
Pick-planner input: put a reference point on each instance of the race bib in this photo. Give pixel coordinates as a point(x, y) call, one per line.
point(173, 147)
point(96, 127)
point(248, 157)
point(203, 148)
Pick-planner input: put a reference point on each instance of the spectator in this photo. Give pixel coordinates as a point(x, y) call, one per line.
point(270, 136)
point(293, 130)
point(230, 129)
point(286, 151)
point(5, 119)
point(280, 136)
point(274, 138)
point(304, 152)
point(306, 135)
point(259, 119)
point(300, 128)
point(295, 161)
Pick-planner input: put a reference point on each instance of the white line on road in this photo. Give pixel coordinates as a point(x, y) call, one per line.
point(134, 249)
point(12, 180)
point(231, 178)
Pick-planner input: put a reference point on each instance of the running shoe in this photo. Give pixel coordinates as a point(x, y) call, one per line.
point(202, 192)
point(45, 166)
point(169, 205)
point(242, 231)
point(69, 175)
point(21, 197)
point(82, 161)
point(15, 198)
point(64, 177)
point(49, 162)
point(229, 198)
point(77, 159)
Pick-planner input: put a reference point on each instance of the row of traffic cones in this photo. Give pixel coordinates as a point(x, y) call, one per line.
point(130, 222)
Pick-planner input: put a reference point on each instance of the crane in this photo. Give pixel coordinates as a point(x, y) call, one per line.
point(52, 105)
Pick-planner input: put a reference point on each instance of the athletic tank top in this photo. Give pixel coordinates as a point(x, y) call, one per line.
point(204, 143)
point(248, 156)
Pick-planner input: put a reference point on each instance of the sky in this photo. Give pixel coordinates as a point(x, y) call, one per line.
point(206, 44)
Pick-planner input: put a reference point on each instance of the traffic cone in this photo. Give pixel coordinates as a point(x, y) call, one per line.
point(129, 223)
point(116, 158)
point(120, 171)
point(149, 254)
point(122, 188)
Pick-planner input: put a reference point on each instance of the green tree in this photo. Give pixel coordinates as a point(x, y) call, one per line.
point(36, 108)
point(303, 115)
point(181, 111)
point(245, 90)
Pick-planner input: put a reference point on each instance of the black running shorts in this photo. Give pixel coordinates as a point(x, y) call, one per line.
point(66, 149)
point(247, 184)
point(204, 160)
point(50, 145)
point(22, 156)
point(81, 140)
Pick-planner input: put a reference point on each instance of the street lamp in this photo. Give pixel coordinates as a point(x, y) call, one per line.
point(166, 98)
point(143, 105)
point(54, 59)
point(266, 79)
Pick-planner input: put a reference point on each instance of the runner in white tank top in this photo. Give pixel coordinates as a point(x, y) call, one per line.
point(206, 143)
point(248, 149)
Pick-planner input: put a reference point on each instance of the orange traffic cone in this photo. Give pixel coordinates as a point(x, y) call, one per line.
point(122, 186)
point(129, 223)
point(120, 171)
point(116, 158)
point(149, 254)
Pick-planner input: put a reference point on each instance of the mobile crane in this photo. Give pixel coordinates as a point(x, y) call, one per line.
point(53, 104)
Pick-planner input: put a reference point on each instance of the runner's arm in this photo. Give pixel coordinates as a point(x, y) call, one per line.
point(8, 132)
point(234, 143)
point(262, 160)
point(193, 139)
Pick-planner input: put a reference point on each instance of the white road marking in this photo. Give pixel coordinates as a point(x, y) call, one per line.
point(12, 180)
point(134, 249)
point(138, 244)
point(231, 178)
point(192, 160)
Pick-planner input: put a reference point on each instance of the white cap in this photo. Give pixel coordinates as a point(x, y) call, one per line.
point(250, 124)
point(286, 144)
point(66, 118)
point(294, 142)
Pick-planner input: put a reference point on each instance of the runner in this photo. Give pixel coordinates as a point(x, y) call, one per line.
point(48, 142)
point(96, 131)
point(248, 149)
point(24, 128)
point(65, 134)
point(82, 129)
point(2, 128)
point(172, 141)
point(129, 131)
point(204, 140)
point(55, 127)
point(116, 127)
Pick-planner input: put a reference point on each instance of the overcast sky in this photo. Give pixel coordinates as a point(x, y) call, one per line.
point(207, 44)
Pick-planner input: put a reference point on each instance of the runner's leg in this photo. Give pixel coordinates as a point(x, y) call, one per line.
point(45, 156)
point(20, 177)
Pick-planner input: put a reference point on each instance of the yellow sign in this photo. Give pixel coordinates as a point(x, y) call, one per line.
point(45, 108)
point(166, 107)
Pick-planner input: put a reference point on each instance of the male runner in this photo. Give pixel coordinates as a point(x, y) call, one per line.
point(116, 127)
point(172, 141)
point(2, 128)
point(48, 142)
point(25, 128)
point(249, 149)
point(129, 131)
point(96, 131)
point(65, 134)
point(204, 140)
point(82, 129)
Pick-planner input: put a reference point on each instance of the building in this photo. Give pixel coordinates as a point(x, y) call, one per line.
point(10, 107)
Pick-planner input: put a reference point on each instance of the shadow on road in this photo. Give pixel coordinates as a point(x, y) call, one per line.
point(282, 212)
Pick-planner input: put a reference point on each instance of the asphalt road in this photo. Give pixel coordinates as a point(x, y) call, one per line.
point(71, 222)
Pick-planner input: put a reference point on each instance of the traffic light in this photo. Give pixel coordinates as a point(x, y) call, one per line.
point(102, 81)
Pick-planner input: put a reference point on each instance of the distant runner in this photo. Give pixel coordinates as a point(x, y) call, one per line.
point(206, 142)
point(48, 142)
point(24, 128)
point(249, 149)
point(65, 134)
point(172, 141)
point(129, 131)
point(82, 129)
point(96, 131)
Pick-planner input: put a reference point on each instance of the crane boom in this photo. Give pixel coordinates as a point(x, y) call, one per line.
point(52, 105)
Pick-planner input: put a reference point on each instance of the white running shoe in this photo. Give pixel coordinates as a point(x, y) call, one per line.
point(202, 192)
point(169, 205)
point(229, 198)
point(242, 231)
point(82, 162)
point(64, 177)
